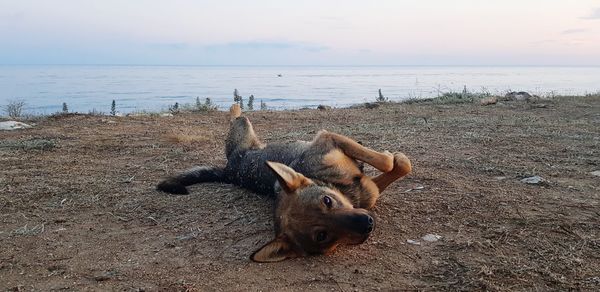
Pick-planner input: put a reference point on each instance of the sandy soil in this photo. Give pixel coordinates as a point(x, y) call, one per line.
point(78, 209)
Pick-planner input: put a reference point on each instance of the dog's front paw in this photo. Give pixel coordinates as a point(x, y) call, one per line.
point(402, 165)
point(172, 187)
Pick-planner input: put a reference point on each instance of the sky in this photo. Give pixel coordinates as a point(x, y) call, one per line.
point(308, 32)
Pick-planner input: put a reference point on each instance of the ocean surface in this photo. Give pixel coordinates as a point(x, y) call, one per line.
point(154, 88)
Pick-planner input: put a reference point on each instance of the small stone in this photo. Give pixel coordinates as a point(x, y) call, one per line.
point(431, 237)
point(488, 100)
point(166, 115)
point(519, 96)
point(595, 173)
point(410, 241)
point(533, 180)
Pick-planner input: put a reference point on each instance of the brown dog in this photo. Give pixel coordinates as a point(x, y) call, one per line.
point(322, 194)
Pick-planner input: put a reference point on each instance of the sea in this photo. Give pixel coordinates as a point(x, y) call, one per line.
point(86, 88)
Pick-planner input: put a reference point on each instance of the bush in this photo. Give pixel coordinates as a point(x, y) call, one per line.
point(14, 109)
point(207, 106)
point(251, 102)
point(380, 97)
point(237, 98)
point(174, 109)
point(113, 108)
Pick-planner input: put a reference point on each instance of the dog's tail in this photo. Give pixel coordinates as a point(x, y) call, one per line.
point(199, 174)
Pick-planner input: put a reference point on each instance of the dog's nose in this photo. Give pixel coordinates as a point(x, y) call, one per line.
point(370, 224)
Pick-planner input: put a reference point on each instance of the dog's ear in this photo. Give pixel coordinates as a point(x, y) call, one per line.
point(276, 250)
point(289, 179)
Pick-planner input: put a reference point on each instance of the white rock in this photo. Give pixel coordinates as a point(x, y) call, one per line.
point(596, 173)
point(534, 180)
point(166, 115)
point(410, 241)
point(431, 237)
point(13, 125)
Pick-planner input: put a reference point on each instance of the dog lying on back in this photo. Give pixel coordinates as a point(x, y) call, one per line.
point(322, 195)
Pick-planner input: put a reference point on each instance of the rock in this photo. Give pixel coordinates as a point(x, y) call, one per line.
point(518, 96)
point(371, 105)
point(324, 107)
point(410, 241)
point(13, 125)
point(596, 173)
point(166, 115)
point(533, 180)
point(431, 237)
point(489, 100)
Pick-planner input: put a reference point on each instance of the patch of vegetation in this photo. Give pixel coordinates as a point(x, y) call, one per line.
point(174, 109)
point(465, 96)
point(380, 97)
point(237, 98)
point(452, 97)
point(113, 108)
point(14, 108)
point(251, 102)
point(33, 144)
point(206, 106)
point(95, 112)
point(263, 105)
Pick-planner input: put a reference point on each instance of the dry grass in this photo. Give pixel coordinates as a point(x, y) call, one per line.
point(188, 136)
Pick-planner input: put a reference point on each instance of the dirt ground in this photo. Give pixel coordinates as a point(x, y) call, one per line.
point(78, 209)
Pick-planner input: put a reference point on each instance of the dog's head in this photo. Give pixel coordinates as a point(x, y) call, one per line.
point(311, 219)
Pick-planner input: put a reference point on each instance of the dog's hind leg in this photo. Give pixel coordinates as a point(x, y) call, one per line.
point(241, 133)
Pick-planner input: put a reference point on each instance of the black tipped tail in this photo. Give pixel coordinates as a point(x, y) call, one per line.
point(199, 174)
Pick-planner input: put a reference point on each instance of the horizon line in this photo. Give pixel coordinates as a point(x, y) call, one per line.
point(303, 65)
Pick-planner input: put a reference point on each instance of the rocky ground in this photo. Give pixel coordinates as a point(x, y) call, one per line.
point(78, 209)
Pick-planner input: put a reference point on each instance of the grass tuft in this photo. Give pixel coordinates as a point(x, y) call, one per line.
point(33, 144)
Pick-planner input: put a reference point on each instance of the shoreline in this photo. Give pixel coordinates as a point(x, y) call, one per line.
point(202, 107)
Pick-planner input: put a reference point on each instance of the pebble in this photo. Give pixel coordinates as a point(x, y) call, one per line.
point(431, 237)
point(533, 180)
point(410, 241)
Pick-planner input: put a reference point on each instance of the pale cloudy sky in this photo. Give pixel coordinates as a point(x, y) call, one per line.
point(308, 32)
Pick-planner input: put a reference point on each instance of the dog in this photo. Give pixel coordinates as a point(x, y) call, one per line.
point(322, 194)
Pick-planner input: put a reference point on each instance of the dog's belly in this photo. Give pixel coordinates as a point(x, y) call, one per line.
point(249, 170)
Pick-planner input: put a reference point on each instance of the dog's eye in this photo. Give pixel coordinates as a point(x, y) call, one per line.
point(328, 202)
point(321, 236)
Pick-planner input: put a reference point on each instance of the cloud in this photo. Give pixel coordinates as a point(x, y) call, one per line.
point(574, 30)
point(594, 15)
point(169, 46)
point(266, 45)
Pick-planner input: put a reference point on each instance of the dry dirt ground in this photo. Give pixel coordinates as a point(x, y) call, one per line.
point(78, 209)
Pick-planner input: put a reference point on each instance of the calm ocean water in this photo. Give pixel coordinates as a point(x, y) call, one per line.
point(136, 88)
